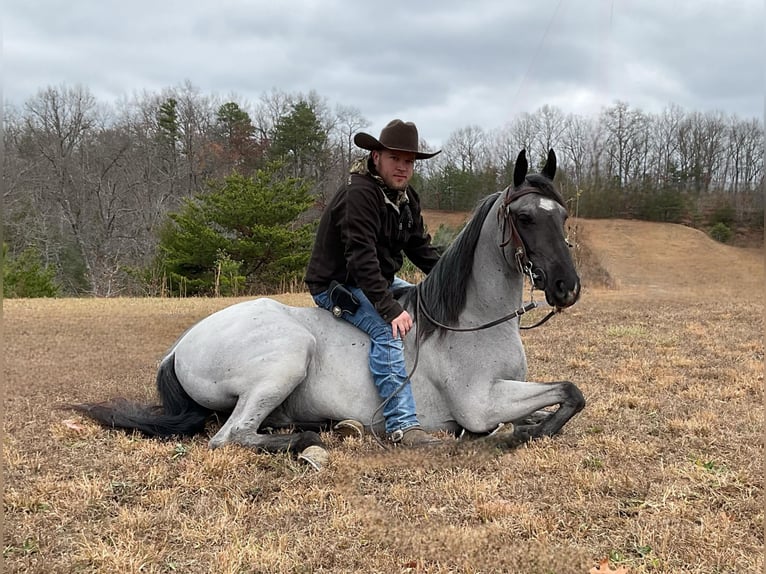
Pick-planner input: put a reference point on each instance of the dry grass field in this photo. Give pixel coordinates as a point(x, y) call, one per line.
point(662, 472)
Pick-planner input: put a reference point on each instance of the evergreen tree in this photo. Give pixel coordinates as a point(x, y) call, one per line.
point(238, 149)
point(167, 122)
point(299, 140)
point(246, 225)
point(27, 275)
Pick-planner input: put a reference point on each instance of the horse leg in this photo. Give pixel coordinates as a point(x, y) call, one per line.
point(508, 400)
point(569, 407)
point(267, 388)
point(242, 428)
point(573, 402)
point(535, 418)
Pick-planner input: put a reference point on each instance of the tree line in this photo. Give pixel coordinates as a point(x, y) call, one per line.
point(184, 192)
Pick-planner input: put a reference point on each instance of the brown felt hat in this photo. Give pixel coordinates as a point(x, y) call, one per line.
point(397, 136)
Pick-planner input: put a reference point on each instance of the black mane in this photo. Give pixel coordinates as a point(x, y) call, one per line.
point(444, 290)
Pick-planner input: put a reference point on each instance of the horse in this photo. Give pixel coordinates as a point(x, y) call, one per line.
point(272, 366)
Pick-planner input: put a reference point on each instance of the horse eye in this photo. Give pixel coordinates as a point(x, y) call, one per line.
point(525, 219)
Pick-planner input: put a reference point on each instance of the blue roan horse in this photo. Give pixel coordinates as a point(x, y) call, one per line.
point(271, 365)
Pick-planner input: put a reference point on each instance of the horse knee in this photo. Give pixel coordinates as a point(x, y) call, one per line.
point(575, 398)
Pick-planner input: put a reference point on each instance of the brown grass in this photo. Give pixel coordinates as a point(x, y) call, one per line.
point(433, 218)
point(661, 472)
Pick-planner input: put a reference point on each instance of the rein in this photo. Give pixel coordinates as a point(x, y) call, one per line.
point(421, 308)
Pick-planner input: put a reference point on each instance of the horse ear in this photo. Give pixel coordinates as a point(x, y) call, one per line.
point(549, 170)
point(520, 171)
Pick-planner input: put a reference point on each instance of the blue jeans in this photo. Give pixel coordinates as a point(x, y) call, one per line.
point(386, 358)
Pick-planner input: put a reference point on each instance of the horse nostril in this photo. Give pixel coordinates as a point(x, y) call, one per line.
point(566, 295)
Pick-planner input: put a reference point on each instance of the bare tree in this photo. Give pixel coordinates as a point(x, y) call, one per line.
point(501, 153)
point(576, 147)
point(196, 117)
point(91, 186)
point(28, 212)
point(700, 149)
point(625, 138)
point(465, 149)
point(664, 146)
point(550, 124)
point(268, 110)
point(349, 122)
point(523, 132)
point(744, 158)
point(58, 121)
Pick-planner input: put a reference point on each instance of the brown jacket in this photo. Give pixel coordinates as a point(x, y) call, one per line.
point(361, 237)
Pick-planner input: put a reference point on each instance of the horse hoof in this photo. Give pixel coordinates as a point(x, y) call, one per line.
point(315, 456)
point(349, 428)
point(503, 429)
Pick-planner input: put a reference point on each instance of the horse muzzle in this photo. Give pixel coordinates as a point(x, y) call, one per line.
point(559, 293)
point(562, 294)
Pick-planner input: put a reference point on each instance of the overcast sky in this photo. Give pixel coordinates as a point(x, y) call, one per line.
point(444, 64)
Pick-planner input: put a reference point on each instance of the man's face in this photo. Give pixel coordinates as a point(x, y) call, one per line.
point(395, 167)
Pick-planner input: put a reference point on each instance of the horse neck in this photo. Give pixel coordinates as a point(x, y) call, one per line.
point(471, 281)
point(496, 285)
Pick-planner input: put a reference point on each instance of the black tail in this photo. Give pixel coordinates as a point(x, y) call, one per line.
point(178, 414)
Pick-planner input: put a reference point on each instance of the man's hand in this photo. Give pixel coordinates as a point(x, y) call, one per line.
point(401, 325)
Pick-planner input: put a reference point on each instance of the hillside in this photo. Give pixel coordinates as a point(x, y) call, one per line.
point(661, 257)
point(665, 256)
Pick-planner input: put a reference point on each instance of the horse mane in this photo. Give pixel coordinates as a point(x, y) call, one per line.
point(444, 289)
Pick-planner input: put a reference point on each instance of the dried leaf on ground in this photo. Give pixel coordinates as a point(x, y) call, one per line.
point(604, 568)
point(73, 425)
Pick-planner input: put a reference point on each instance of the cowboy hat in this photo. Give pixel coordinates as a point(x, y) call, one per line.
point(397, 136)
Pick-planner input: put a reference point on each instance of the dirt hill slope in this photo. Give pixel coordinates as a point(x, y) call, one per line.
point(666, 256)
point(663, 257)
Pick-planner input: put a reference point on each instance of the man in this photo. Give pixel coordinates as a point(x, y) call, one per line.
point(372, 219)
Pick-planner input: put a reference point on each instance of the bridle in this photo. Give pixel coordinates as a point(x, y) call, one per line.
point(509, 236)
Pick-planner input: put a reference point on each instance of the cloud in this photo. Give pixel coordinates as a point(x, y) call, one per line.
point(445, 64)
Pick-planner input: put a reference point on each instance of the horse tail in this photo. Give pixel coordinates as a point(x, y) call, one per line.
point(178, 413)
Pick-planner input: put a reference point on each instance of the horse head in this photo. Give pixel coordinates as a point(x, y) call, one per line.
point(535, 213)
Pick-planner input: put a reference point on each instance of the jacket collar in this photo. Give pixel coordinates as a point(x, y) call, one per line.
point(394, 197)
